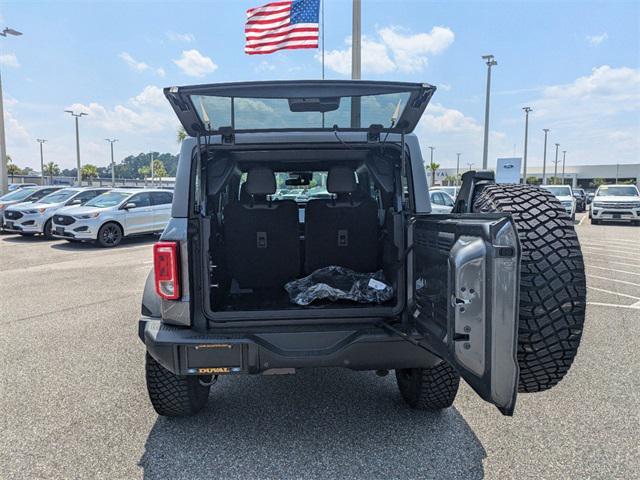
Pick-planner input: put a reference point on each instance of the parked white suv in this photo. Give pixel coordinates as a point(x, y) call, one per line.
point(564, 193)
point(113, 215)
point(618, 203)
point(33, 218)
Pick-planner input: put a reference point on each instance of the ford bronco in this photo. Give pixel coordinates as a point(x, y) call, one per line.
point(278, 180)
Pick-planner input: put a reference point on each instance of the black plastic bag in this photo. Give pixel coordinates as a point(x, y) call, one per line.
point(338, 283)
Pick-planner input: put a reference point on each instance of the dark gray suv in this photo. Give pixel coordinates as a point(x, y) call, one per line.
point(302, 236)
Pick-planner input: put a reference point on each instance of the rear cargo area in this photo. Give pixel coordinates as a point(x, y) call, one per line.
point(273, 218)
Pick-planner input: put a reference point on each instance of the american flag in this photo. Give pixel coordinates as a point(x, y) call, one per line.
point(282, 25)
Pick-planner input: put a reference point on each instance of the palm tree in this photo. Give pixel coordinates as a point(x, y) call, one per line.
point(433, 166)
point(51, 169)
point(182, 134)
point(13, 169)
point(89, 172)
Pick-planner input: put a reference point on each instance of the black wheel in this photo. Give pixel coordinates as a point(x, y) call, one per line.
point(432, 388)
point(109, 235)
point(48, 229)
point(552, 282)
point(174, 395)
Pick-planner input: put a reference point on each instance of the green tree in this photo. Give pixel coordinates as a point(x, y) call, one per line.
point(450, 180)
point(182, 135)
point(13, 169)
point(145, 171)
point(89, 172)
point(158, 169)
point(533, 181)
point(51, 169)
point(433, 166)
point(554, 181)
point(598, 181)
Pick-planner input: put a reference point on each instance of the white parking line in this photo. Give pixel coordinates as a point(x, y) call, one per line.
point(583, 219)
point(615, 305)
point(607, 249)
point(614, 293)
point(609, 245)
point(614, 280)
point(613, 270)
point(611, 261)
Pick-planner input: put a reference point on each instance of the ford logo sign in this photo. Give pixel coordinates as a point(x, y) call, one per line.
point(508, 165)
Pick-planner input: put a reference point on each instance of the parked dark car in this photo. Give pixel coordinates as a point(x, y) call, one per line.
point(581, 199)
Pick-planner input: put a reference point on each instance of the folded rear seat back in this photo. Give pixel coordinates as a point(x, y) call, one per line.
point(262, 244)
point(342, 231)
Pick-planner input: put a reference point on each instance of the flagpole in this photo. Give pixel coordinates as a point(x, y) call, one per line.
point(322, 13)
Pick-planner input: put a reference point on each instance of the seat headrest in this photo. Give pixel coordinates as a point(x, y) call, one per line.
point(261, 181)
point(341, 180)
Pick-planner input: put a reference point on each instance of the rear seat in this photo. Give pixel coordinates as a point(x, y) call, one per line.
point(342, 231)
point(261, 236)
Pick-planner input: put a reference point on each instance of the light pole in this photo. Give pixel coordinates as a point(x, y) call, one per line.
point(555, 171)
point(564, 158)
point(544, 157)
point(356, 44)
point(152, 177)
point(431, 162)
point(4, 179)
point(41, 142)
point(77, 116)
point(491, 62)
point(470, 165)
point(526, 142)
point(458, 167)
point(113, 164)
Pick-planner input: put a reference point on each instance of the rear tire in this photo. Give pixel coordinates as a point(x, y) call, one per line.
point(109, 235)
point(433, 388)
point(552, 282)
point(174, 395)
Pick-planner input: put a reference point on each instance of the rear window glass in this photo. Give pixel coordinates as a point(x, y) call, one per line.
point(275, 113)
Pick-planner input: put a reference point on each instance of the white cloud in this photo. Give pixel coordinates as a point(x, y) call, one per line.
point(265, 66)
point(606, 91)
point(444, 86)
point(393, 49)
point(160, 72)
point(146, 112)
point(16, 131)
point(194, 64)
point(133, 63)
point(181, 37)
point(597, 39)
point(9, 60)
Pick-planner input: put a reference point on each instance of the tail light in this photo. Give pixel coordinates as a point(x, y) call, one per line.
point(165, 262)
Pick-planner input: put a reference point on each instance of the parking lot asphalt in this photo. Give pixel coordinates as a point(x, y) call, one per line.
point(74, 403)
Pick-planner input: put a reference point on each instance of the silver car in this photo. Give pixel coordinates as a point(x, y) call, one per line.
point(441, 201)
point(23, 195)
point(33, 218)
point(113, 215)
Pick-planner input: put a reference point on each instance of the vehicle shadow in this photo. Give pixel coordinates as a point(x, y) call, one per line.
point(321, 423)
point(11, 237)
point(126, 242)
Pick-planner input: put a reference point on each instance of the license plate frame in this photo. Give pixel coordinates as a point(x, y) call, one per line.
point(8, 225)
point(59, 230)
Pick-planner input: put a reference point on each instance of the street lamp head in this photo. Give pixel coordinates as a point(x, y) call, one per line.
point(10, 31)
point(40, 140)
point(546, 130)
point(487, 57)
point(557, 145)
point(527, 109)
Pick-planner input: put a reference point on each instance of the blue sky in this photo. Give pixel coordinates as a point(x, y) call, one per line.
point(576, 63)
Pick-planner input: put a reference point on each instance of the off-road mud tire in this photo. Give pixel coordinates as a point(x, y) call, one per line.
point(174, 395)
point(552, 282)
point(432, 388)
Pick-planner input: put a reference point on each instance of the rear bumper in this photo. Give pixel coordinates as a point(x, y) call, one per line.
point(186, 352)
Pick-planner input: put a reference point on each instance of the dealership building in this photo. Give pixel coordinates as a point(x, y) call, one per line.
point(579, 176)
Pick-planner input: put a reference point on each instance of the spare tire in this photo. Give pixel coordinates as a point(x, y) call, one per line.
point(552, 282)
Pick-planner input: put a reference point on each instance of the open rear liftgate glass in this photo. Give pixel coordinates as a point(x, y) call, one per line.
point(464, 298)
